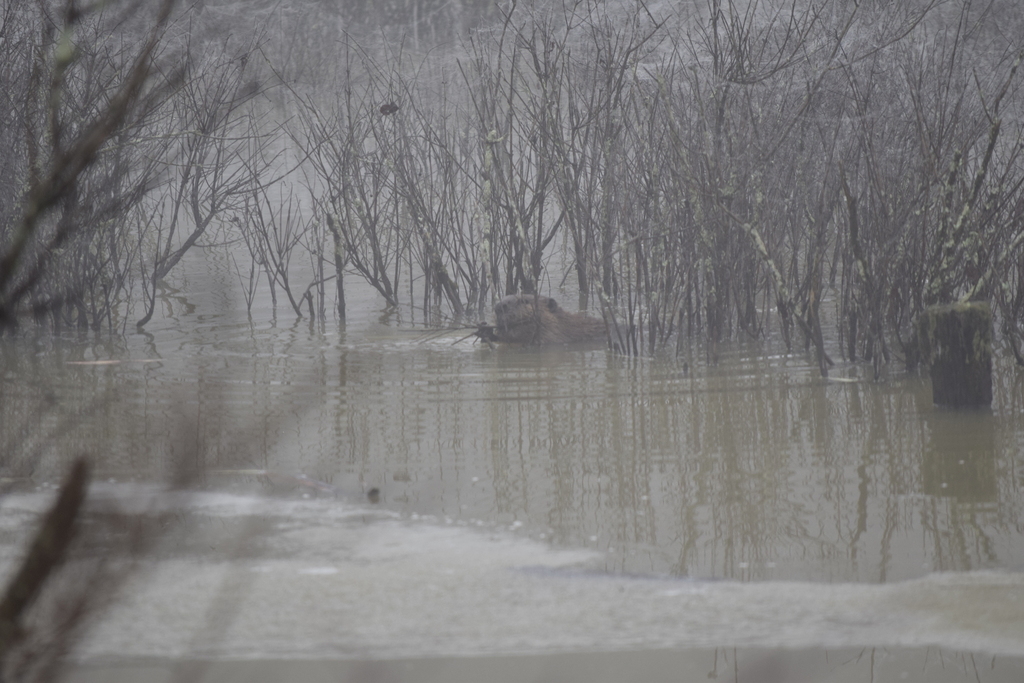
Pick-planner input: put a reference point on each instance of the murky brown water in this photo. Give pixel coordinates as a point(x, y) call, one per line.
point(595, 473)
point(752, 469)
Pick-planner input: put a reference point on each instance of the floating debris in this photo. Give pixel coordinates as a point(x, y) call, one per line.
point(112, 362)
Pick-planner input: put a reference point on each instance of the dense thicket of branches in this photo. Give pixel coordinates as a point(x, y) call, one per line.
point(750, 167)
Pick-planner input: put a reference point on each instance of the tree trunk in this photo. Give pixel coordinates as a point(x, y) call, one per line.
point(956, 344)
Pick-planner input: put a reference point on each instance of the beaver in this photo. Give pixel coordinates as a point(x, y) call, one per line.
point(530, 319)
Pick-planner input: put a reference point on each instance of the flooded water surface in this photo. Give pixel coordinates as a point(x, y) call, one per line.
point(530, 500)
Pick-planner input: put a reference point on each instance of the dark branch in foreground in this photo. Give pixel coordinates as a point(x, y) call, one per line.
point(46, 554)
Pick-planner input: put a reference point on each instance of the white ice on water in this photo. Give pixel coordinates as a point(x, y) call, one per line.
point(333, 579)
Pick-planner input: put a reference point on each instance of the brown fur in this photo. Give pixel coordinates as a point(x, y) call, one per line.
point(529, 319)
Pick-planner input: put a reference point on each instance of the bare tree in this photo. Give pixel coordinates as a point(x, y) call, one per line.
point(211, 161)
point(74, 104)
point(351, 145)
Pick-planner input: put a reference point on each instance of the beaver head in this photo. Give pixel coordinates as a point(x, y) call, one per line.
point(535, 319)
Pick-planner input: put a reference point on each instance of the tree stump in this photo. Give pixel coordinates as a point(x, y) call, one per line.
point(956, 342)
